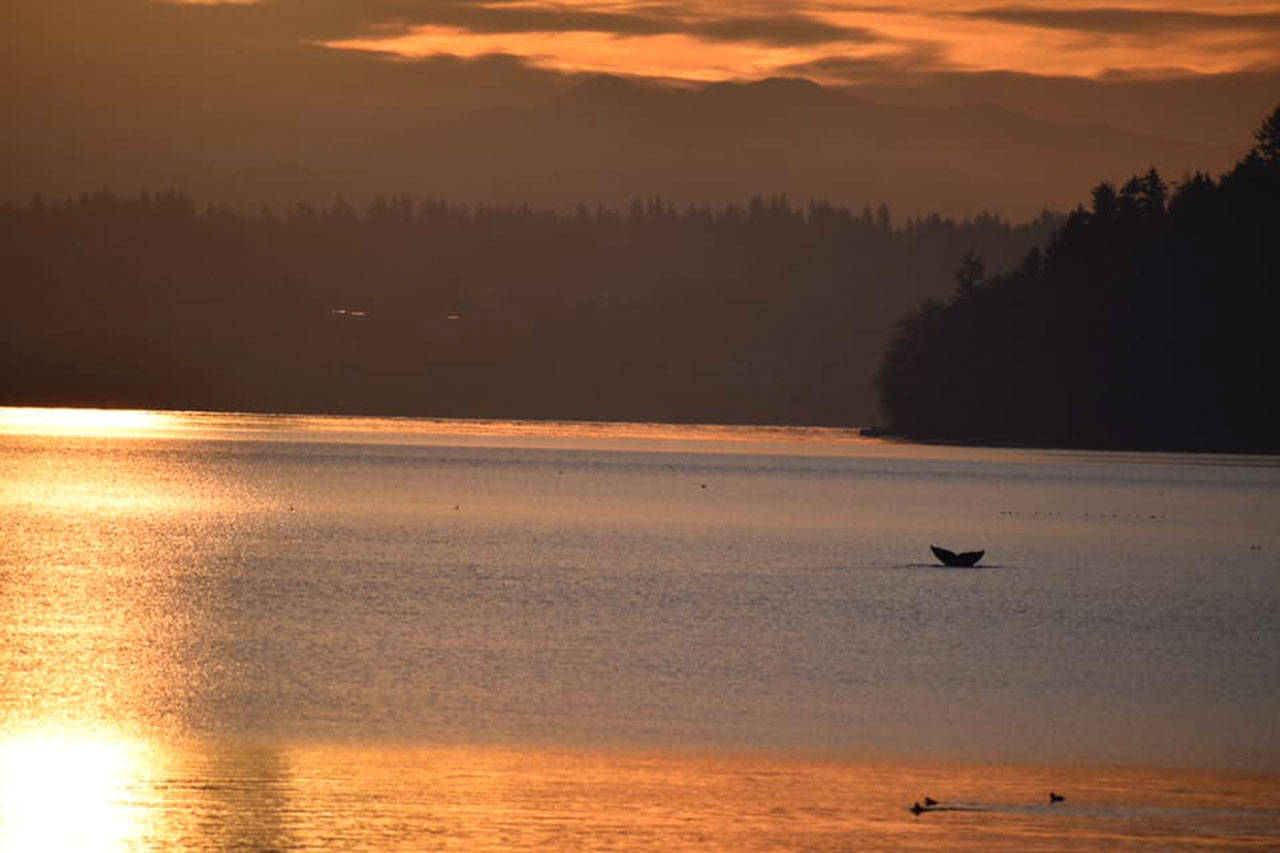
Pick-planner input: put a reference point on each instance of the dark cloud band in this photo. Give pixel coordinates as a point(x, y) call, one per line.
point(784, 30)
point(1125, 21)
point(321, 19)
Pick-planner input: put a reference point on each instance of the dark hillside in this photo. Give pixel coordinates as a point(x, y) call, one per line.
point(1147, 323)
point(767, 313)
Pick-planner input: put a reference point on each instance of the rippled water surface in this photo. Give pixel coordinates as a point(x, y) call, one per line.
point(221, 630)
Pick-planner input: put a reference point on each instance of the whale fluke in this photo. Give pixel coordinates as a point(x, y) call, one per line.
point(965, 559)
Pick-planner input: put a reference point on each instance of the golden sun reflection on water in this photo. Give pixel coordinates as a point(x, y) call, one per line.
point(144, 702)
point(52, 423)
point(71, 792)
point(504, 798)
point(80, 422)
point(91, 792)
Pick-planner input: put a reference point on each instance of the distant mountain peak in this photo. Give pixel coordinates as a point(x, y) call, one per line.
point(778, 94)
point(608, 90)
point(790, 84)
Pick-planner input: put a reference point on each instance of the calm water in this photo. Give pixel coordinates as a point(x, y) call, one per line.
point(222, 630)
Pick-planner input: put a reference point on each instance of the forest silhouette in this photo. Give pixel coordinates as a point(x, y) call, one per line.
point(1146, 323)
point(760, 313)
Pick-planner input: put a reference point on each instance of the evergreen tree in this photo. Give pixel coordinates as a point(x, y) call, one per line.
point(1145, 324)
point(1268, 138)
point(969, 273)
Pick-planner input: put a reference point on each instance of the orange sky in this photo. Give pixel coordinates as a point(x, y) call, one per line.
point(282, 100)
point(838, 41)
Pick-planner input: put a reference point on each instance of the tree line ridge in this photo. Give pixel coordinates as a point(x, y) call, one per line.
point(767, 312)
point(1146, 322)
point(1140, 321)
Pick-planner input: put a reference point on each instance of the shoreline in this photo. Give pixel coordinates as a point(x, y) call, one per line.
point(889, 435)
point(628, 428)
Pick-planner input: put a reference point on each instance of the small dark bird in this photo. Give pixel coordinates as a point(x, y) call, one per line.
point(1055, 798)
point(916, 808)
point(930, 801)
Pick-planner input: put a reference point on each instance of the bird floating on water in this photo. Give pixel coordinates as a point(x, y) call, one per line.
point(1055, 798)
point(930, 801)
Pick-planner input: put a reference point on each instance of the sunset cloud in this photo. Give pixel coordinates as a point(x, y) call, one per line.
point(908, 59)
point(827, 40)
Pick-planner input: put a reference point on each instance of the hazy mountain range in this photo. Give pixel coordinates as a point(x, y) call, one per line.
point(600, 140)
point(611, 140)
